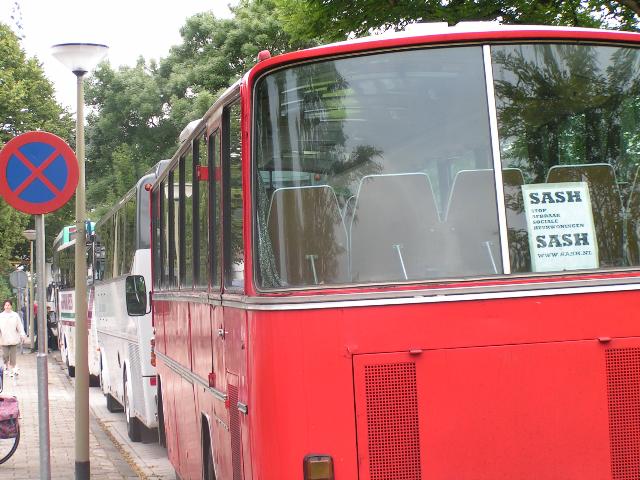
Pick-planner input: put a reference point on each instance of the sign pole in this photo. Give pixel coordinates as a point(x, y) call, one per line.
point(22, 315)
point(30, 326)
point(38, 174)
point(42, 367)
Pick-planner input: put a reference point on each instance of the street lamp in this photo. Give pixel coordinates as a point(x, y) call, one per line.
point(31, 236)
point(81, 58)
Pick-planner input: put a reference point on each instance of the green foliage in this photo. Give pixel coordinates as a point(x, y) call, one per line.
point(26, 103)
point(26, 97)
point(6, 290)
point(139, 112)
point(332, 20)
point(127, 131)
point(12, 223)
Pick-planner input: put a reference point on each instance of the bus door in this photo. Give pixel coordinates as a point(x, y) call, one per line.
point(233, 320)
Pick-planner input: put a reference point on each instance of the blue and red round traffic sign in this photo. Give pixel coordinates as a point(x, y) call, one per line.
point(38, 172)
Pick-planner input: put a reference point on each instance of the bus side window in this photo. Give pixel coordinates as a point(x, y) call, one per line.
point(200, 195)
point(215, 225)
point(157, 238)
point(232, 200)
point(186, 234)
point(164, 234)
point(172, 234)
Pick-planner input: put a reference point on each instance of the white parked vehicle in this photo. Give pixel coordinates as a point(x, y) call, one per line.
point(122, 272)
point(63, 270)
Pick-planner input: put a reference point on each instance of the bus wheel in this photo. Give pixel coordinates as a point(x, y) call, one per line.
point(134, 428)
point(94, 381)
point(162, 435)
point(70, 369)
point(112, 404)
point(209, 473)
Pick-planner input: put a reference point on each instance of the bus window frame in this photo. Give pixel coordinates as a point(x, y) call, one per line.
point(182, 217)
point(171, 212)
point(506, 275)
point(213, 147)
point(225, 163)
point(195, 212)
point(162, 280)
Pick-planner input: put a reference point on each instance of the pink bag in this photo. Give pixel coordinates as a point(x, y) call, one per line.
point(9, 414)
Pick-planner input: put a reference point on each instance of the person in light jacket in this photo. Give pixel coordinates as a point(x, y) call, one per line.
point(11, 334)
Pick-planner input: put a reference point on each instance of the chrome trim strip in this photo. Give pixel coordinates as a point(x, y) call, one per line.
point(111, 333)
point(497, 161)
point(427, 297)
point(243, 408)
point(193, 297)
point(189, 376)
point(395, 297)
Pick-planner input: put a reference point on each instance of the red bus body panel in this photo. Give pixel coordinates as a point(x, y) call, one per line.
point(527, 375)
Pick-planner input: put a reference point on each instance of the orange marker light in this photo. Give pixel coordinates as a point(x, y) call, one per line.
point(318, 467)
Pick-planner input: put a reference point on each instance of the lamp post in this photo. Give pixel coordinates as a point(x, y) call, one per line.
point(81, 58)
point(31, 236)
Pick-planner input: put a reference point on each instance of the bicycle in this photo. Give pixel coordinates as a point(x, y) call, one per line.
point(9, 423)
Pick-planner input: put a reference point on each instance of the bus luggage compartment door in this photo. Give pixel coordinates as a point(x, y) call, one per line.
point(535, 411)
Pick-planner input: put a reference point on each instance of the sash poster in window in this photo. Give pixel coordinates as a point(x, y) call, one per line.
point(560, 224)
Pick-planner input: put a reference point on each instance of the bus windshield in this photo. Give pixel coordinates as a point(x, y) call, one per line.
point(380, 168)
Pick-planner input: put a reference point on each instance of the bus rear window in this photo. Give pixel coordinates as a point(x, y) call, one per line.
point(380, 168)
point(569, 118)
point(370, 169)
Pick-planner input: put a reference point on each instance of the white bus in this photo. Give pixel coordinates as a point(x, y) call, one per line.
point(63, 273)
point(122, 261)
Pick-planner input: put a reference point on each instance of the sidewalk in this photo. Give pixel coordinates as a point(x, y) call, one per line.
point(106, 461)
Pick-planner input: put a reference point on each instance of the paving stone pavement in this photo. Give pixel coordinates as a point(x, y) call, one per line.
point(112, 455)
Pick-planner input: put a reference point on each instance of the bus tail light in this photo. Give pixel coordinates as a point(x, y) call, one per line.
point(153, 381)
point(153, 352)
point(318, 467)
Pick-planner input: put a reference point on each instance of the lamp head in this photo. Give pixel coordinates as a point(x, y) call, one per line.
point(80, 58)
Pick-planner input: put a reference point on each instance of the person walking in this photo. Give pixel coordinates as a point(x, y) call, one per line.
point(11, 334)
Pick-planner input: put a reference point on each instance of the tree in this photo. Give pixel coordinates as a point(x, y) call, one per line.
point(26, 103)
point(127, 132)
point(139, 112)
point(332, 20)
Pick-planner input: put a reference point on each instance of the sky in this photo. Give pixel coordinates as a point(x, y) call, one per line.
point(130, 28)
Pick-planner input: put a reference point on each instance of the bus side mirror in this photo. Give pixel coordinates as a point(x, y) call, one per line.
point(136, 295)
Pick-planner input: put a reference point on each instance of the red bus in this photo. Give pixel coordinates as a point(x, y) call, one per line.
point(405, 257)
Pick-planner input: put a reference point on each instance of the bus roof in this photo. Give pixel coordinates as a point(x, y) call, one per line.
point(441, 33)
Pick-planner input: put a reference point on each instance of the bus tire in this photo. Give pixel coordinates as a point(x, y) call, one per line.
point(134, 426)
point(208, 469)
point(112, 404)
point(94, 381)
point(103, 386)
point(162, 434)
point(70, 369)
